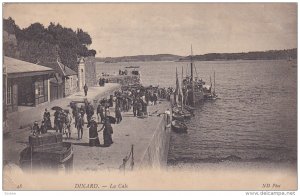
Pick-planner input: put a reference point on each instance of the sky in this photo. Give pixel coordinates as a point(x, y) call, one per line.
point(169, 28)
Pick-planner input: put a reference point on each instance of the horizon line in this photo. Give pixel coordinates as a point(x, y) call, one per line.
point(196, 54)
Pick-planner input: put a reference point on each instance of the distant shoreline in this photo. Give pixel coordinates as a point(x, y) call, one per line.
point(187, 61)
point(288, 54)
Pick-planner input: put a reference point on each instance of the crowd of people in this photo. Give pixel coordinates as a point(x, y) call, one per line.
point(135, 98)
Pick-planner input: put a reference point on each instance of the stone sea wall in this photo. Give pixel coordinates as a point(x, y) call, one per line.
point(157, 151)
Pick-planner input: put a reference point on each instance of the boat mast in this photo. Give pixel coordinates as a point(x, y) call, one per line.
point(182, 76)
point(186, 70)
point(177, 88)
point(214, 82)
point(181, 88)
point(192, 76)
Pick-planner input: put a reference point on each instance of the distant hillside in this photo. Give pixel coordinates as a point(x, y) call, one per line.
point(157, 57)
point(260, 55)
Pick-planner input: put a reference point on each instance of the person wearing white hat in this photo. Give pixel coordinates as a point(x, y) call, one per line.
point(107, 112)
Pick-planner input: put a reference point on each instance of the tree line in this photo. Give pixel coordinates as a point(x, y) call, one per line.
point(38, 44)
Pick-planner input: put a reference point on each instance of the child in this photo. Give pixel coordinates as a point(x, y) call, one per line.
point(35, 128)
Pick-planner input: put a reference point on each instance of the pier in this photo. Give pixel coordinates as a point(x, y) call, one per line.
point(147, 138)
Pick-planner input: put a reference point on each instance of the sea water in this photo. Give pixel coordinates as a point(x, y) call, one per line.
point(255, 119)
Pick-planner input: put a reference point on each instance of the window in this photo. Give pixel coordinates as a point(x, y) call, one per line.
point(41, 91)
point(9, 94)
point(39, 88)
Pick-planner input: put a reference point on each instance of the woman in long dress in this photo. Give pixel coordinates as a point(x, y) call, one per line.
point(93, 133)
point(108, 130)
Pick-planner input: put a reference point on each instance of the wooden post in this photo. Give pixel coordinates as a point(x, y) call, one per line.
point(132, 158)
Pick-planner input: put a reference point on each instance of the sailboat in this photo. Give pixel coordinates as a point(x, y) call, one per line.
point(179, 113)
point(193, 87)
point(209, 91)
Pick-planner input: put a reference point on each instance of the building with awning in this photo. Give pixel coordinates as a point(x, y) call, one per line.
point(27, 84)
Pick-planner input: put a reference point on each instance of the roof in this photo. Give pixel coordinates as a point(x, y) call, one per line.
point(56, 79)
point(17, 68)
point(60, 68)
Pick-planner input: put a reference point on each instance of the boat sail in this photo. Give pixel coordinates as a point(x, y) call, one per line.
point(210, 90)
point(178, 92)
point(193, 88)
point(178, 113)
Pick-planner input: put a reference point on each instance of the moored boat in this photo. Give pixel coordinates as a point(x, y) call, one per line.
point(209, 91)
point(180, 115)
point(189, 108)
point(184, 110)
point(195, 90)
point(178, 111)
point(177, 117)
point(132, 67)
point(178, 127)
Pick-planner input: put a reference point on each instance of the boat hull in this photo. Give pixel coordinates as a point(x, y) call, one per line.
point(178, 127)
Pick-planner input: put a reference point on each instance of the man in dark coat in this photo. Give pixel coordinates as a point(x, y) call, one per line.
point(79, 125)
point(89, 112)
point(139, 107)
point(155, 98)
point(75, 111)
point(103, 81)
point(82, 111)
point(100, 82)
point(134, 107)
point(118, 115)
point(126, 107)
point(56, 115)
point(43, 128)
point(62, 122)
point(85, 88)
point(93, 133)
point(47, 119)
point(111, 101)
point(59, 121)
point(100, 113)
